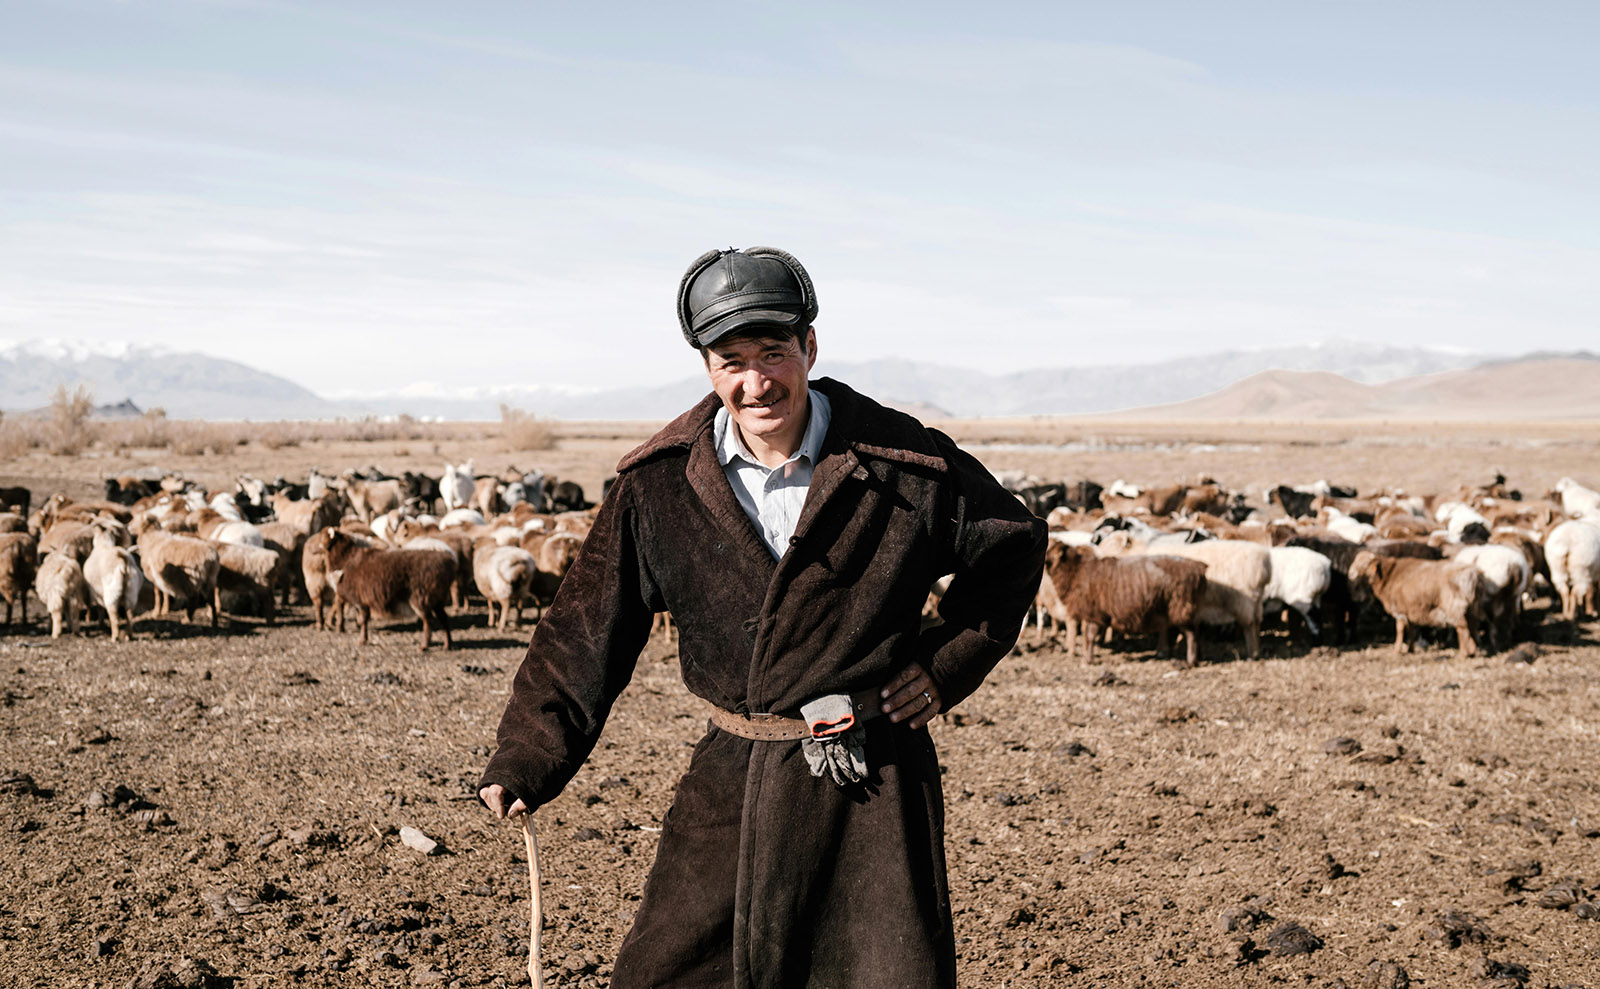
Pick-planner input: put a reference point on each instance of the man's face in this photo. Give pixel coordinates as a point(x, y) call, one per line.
point(762, 384)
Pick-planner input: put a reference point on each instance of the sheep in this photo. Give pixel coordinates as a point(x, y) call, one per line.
point(1506, 572)
point(391, 580)
point(1130, 594)
point(1573, 551)
point(461, 549)
point(12, 522)
point(1300, 577)
point(181, 567)
point(1237, 573)
point(311, 515)
point(289, 543)
point(250, 571)
point(503, 575)
point(113, 577)
point(68, 536)
point(16, 499)
point(369, 499)
point(1423, 592)
point(18, 562)
point(486, 496)
point(61, 587)
point(1348, 528)
point(1576, 499)
point(459, 518)
point(456, 487)
point(315, 569)
point(218, 527)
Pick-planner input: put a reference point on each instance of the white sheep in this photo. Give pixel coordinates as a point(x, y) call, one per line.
point(1347, 528)
point(1300, 577)
point(1572, 550)
point(60, 585)
point(456, 486)
point(503, 575)
point(114, 581)
point(1576, 499)
point(1237, 573)
point(1505, 570)
point(460, 518)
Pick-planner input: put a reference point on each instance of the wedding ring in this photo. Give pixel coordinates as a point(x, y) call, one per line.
point(926, 697)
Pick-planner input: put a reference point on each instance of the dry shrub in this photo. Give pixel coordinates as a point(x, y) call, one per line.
point(151, 431)
point(16, 439)
point(195, 438)
point(67, 431)
point(278, 435)
point(525, 431)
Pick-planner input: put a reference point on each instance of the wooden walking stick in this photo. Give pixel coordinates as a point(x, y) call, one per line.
point(535, 908)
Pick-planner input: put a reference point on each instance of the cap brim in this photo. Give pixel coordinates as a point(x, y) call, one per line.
point(749, 319)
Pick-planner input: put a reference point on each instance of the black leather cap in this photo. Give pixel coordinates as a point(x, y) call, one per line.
point(729, 290)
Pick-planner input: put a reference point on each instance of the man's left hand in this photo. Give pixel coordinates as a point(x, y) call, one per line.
point(911, 694)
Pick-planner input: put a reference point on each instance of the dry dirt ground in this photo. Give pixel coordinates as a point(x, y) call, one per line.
point(224, 807)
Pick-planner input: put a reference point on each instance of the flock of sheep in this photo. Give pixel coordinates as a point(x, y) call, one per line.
point(1124, 559)
point(362, 538)
point(1153, 560)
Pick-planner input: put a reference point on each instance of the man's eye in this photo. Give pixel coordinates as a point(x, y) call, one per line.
point(775, 357)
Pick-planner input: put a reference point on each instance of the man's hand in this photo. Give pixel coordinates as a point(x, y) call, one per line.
point(494, 796)
point(911, 694)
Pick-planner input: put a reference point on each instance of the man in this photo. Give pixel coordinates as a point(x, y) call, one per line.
point(792, 528)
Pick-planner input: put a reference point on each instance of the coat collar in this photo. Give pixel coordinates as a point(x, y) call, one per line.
point(894, 435)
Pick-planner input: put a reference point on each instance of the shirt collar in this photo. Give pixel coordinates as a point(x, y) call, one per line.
point(729, 444)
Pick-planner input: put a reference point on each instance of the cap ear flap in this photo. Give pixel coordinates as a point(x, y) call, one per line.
point(695, 268)
point(809, 306)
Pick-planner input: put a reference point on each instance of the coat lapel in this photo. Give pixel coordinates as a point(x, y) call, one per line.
point(710, 485)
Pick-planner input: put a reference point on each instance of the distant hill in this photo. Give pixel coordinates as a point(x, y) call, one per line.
point(1310, 382)
point(1534, 388)
point(187, 386)
point(955, 391)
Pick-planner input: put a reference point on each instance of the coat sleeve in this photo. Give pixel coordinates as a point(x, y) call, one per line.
point(582, 656)
point(997, 557)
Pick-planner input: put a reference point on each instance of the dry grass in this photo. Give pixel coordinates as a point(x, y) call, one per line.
point(523, 431)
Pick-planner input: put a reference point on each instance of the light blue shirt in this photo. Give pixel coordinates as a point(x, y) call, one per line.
point(773, 496)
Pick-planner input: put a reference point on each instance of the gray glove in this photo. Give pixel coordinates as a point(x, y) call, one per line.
point(837, 747)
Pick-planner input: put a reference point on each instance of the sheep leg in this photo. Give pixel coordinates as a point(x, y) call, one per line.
point(1252, 640)
point(338, 606)
point(317, 606)
point(1311, 623)
point(1072, 638)
point(271, 607)
point(116, 626)
point(444, 624)
point(1091, 632)
point(1164, 640)
point(55, 624)
point(366, 618)
point(1402, 643)
point(1191, 645)
point(216, 604)
point(423, 612)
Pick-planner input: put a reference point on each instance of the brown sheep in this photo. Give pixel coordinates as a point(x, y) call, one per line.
point(16, 499)
point(289, 543)
point(311, 515)
point(389, 581)
point(18, 562)
point(1423, 592)
point(1130, 594)
point(181, 567)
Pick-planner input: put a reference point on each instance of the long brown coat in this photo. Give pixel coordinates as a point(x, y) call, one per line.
point(766, 876)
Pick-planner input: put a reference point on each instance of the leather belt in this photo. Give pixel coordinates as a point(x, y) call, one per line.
point(777, 728)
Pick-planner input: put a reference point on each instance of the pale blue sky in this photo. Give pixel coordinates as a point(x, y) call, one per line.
point(370, 196)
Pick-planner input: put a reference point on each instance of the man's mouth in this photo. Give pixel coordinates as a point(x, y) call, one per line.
point(769, 403)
